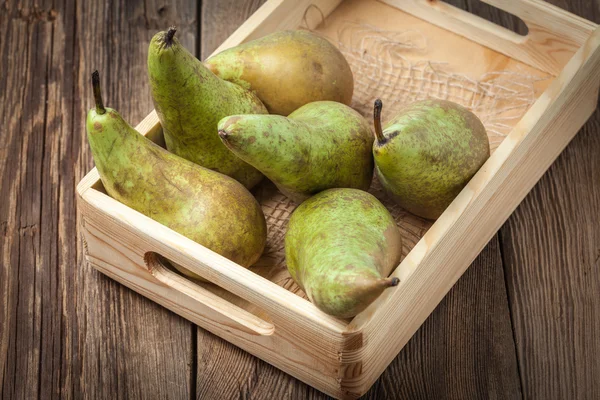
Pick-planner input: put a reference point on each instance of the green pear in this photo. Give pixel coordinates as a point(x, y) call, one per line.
point(287, 70)
point(428, 153)
point(190, 100)
point(340, 247)
point(203, 205)
point(321, 145)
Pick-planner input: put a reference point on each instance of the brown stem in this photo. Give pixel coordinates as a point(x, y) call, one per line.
point(169, 36)
point(377, 121)
point(97, 93)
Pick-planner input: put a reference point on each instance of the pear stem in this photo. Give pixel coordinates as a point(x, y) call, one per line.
point(377, 121)
point(169, 36)
point(394, 281)
point(97, 93)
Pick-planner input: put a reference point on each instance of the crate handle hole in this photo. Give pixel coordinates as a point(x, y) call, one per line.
point(479, 14)
point(208, 294)
point(486, 10)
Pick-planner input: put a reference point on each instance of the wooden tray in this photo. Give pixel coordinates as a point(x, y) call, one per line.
point(532, 92)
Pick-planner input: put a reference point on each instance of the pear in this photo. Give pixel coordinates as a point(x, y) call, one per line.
point(190, 100)
point(203, 205)
point(321, 145)
point(340, 246)
point(287, 70)
point(428, 153)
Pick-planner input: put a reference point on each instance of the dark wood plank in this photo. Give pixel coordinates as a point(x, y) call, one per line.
point(131, 347)
point(464, 350)
point(551, 247)
point(552, 253)
point(27, 44)
point(219, 19)
point(66, 331)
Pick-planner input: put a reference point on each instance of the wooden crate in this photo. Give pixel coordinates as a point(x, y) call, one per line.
point(532, 92)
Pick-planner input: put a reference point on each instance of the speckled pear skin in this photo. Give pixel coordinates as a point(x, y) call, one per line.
point(210, 208)
point(428, 154)
point(287, 69)
point(340, 247)
point(321, 145)
point(190, 101)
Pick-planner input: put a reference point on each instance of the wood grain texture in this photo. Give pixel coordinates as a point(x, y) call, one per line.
point(465, 349)
point(551, 249)
point(121, 326)
point(27, 42)
point(66, 331)
point(219, 19)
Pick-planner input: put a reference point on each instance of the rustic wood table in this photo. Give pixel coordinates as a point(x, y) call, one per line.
point(524, 321)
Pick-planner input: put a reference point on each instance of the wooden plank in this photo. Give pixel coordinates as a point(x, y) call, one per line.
point(465, 349)
point(130, 347)
point(551, 256)
point(25, 214)
point(219, 19)
point(551, 247)
point(65, 330)
point(226, 372)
